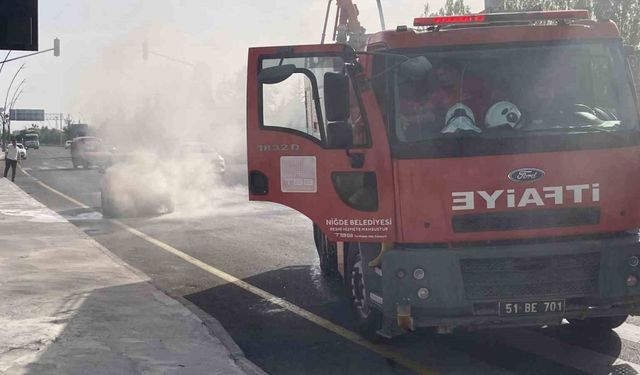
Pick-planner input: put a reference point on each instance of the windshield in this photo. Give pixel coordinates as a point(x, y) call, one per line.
point(31, 137)
point(516, 91)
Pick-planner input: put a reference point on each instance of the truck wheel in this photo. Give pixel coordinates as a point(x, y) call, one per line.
point(368, 319)
point(599, 324)
point(108, 209)
point(327, 252)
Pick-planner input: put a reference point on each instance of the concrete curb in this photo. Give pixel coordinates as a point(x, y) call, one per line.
point(214, 327)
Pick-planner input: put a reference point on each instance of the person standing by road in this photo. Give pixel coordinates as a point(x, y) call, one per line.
point(11, 159)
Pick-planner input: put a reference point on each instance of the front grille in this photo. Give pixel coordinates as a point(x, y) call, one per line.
point(526, 219)
point(545, 276)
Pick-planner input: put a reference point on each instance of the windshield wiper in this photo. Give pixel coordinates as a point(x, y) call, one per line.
point(577, 129)
point(568, 129)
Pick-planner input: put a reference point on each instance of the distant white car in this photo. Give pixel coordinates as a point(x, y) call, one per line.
point(67, 145)
point(200, 152)
point(22, 152)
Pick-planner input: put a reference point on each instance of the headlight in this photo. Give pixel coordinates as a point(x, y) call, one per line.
point(418, 274)
point(423, 293)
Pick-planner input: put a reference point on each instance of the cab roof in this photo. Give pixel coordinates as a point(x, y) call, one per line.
point(407, 38)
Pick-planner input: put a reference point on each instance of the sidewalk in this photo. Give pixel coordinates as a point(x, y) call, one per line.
point(68, 306)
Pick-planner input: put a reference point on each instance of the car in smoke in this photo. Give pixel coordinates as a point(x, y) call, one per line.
point(22, 151)
point(136, 185)
point(89, 151)
point(67, 144)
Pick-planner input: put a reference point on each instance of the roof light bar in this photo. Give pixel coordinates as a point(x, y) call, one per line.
point(502, 17)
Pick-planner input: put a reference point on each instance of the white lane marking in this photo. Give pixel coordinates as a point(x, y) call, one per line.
point(63, 195)
point(557, 351)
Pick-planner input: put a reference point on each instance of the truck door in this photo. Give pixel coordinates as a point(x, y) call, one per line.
point(316, 141)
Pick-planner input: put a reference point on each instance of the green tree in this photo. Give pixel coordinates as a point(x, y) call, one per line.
point(625, 13)
point(451, 7)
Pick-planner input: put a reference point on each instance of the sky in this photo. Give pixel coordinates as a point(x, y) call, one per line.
point(217, 33)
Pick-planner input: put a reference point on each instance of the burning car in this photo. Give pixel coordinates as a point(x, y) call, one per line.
point(136, 185)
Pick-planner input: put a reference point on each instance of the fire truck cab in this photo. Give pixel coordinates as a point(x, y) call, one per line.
point(476, 171)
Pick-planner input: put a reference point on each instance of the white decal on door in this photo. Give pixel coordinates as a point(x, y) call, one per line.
point(298, 174)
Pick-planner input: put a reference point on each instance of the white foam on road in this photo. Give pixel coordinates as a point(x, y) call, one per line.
point(35, 215)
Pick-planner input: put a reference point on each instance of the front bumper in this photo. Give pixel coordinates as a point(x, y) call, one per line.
point(467, 284)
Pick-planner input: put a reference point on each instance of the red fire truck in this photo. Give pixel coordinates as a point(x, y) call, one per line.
point(474, 171)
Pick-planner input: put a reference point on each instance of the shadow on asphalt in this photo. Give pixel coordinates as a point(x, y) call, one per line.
point(283, 343)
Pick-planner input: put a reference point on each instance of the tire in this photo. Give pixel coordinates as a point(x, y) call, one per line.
point(109, 211)
point(74, 162)
point(327, 253)
point(368, 320)
point(599, 324)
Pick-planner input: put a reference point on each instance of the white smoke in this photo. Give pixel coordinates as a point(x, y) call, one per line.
point(147, 109)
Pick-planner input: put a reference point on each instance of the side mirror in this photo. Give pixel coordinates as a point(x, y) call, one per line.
point(336, 97)
point(339, 135)
point(276, 74)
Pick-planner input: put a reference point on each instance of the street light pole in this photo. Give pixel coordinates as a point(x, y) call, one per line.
point(16, 91)
point(4, 109)
point(5, 58)
point(15, 98)
point(11, 84)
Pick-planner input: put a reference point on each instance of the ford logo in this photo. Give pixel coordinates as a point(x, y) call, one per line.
point(526, 174)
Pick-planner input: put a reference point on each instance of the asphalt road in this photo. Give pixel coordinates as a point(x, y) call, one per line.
point(270, 247)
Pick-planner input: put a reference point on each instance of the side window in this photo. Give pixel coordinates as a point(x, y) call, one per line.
point(297, 102)
point(289, 104)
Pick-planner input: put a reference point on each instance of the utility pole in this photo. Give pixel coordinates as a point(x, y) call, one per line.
point(381, 14)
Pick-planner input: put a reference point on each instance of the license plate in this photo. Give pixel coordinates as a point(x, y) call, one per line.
point(531, 308)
